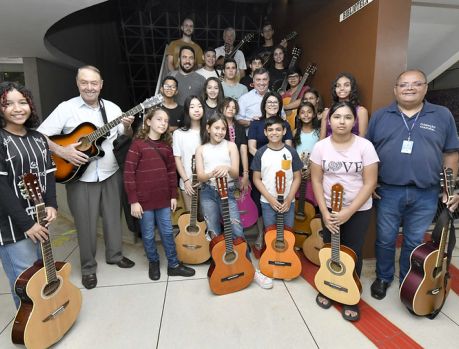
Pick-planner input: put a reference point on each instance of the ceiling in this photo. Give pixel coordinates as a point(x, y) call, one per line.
point(433, 40)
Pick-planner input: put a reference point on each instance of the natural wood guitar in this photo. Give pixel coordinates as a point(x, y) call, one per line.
point(191, 243)
point(313, 244)
point(304, 210)
point(426, 285)
point(230, 270)
point(279, 260)
point(336, 277)
point(49, 302)
point(91, 139)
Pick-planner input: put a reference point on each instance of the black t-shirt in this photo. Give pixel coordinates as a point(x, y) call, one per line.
point(175, 116)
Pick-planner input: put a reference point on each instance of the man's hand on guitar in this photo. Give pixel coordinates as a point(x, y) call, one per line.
point(452, 202)
point(37, 233)
point(127, 123)
point(73, 155)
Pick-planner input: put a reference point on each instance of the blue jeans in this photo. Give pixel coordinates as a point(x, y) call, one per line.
point(412, 207)
point(162, 217)
point(269, 215)
point(211, 209)
point(16, 258)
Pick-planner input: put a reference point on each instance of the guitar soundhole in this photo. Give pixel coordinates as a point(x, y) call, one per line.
point(85, 144)
point(230, 257)
point(336, 268)
point(280, 245)
point(192, 230)
point(51, 287)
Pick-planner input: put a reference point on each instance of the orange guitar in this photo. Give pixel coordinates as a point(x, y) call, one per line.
point(91, 139)
point(336, 277)
point(230, 269)
point(314, 243)
point(279, 260)
point(49, 302)
point(191, 243)
point(304, 210)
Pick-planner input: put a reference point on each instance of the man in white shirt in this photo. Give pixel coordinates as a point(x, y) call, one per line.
point(209, 70)
point(229, 36)
point(98, 190)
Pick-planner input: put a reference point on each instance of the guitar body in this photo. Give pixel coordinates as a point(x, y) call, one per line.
point(248, 210)
point(229, 272)
point(290, 115)
point(191, 243)
point(42, 319)
point(279, 260)
point(67, 172)
point(302, 223)
point(338, 282)
point(423, 289)
point(179, 210)
point(313, 244)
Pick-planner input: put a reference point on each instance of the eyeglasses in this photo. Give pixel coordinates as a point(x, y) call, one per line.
point(416, 84)
point(169, 87)
point(272, 102)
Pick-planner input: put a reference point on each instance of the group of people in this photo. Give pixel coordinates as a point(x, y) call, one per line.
point(392, 160)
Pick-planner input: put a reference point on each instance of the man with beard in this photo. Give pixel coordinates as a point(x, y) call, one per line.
point(173, 49)
point(98, 190)
point(189, 82)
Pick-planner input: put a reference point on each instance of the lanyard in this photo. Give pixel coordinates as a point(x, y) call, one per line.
point(406, 125)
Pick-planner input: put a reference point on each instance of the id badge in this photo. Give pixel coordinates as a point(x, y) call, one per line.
point(407, 147)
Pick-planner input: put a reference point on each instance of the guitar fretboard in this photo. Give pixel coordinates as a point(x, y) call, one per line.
point(335, 246)
point(194, 203)
point(280, 221)
point(46, 249)
point(228, 230)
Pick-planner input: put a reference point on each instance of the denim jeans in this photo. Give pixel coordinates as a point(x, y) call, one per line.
point(162, 217)
point(211, 209)
point(269, 215)
point(16, 258)
point(412, 207)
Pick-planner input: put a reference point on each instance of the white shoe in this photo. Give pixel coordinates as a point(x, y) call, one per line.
point(262, 280)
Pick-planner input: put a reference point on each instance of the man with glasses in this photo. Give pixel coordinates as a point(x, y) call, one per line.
point(414, 140)
point(169, 89)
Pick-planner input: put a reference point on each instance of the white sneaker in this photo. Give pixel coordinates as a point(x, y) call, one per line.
point(262, 280)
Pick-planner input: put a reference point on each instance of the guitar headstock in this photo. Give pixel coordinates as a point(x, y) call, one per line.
point(152, 101)
point(280, 182)
point(337, 192)
point(30, 188)
point(447, 182)
point(222, 187)
point(291, 35)
point(296, 52)
point(311, 69)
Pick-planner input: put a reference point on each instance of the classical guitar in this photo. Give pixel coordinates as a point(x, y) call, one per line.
point(281, 85)
point(230, 270)
point(91, 139)
point(336, 277)
point(266, 58)
point(248, 211)
point(313, 244)
point(279, 260)
point(49, 302)
point(231, 53)
point(191, 243)
point(426, 285)
point(304, 210)
point(291, 114)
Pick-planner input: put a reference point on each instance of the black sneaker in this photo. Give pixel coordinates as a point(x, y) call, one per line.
point(153, 271)
point(180, 270)
point(379, 288)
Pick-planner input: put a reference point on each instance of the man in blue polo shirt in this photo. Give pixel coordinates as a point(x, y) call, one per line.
point(414, 140)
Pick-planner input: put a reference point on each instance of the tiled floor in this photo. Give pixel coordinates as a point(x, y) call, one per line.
point(128, 310)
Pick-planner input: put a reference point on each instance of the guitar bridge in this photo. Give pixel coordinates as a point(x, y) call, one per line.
point(56, 312)
point(191, 247)
point(280, 263)
point(232, 277)
point(336, 287)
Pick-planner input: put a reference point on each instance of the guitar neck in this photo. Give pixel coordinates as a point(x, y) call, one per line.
point(285, 81)
point(46, 249)
point(227, 231)
point(280, 221)
point(301, 199)
point(335, 246)
point(237, 47)
point(194, 203)
point(299, 87)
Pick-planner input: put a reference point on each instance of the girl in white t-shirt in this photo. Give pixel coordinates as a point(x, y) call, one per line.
point(351, 161)
point(184, 144)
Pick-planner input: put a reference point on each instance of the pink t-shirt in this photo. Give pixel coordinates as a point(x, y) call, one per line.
point(344, 167)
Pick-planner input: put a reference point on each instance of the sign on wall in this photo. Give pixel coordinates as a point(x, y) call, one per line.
point(353, 9)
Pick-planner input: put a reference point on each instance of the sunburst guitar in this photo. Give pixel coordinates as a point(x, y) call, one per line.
point(230, 270)
point(304, 210)
point(50, 304)
point(279, 260)
point(336, 277)
point(191, 243)
point(313, 244)
point(426, 285)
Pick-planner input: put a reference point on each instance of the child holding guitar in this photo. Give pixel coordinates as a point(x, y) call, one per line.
point(150, 182)
point(351, 161)
point(22, 150)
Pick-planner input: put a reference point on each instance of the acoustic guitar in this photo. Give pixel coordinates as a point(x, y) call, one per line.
point(279, 260)
point(191, 243)
point(230, 270)
point(304, 210)
point(426, 285)
point(266, 58)
point(313, 244)
point(291, 114)
point(248, 210)
point(49, 302)
point(281, 85)
point(231, 53)
point(336, 277)
point(91, 139)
